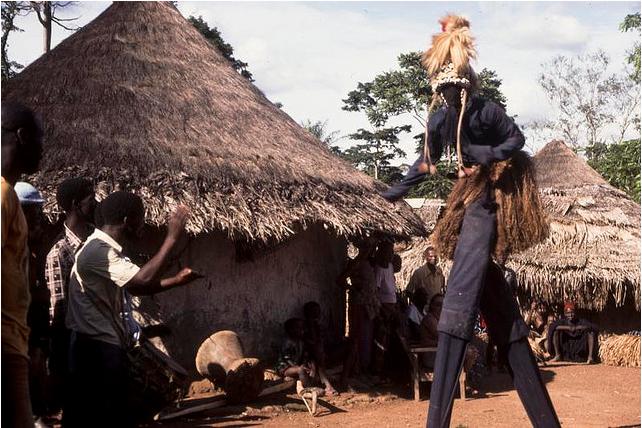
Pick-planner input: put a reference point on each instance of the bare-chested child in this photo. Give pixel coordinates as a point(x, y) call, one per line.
point(294, 362)
point(314, 344)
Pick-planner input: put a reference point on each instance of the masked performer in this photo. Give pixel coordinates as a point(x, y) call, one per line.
point(493, 210)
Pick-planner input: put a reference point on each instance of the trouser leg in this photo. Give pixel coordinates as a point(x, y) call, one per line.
point(98, 372)
point(461, 306)
point(530, 386)
point(58, 369)
point(384, 329)
point(16, 405)
point(509, 331)
point(448, 365)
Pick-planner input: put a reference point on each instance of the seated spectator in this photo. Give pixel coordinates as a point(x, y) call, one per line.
point(429, 276)
point(534, 319)
point(313, 339)
point(549, 322)
point(415, 313)
point(428, 334)
point(572, 338)
point(293, 360)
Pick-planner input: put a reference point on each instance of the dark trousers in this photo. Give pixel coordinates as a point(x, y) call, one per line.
point(16, 404)
point(476, 282)
point(98, 384)
point(58, 368)
point(385, 325)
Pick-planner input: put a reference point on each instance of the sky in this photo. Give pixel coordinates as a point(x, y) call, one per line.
point(309, 55)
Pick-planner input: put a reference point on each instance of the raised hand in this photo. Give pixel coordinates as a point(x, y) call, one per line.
point(177, 221)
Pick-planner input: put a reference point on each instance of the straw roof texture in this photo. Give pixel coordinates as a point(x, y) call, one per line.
point(593, 249)
point(139, 100)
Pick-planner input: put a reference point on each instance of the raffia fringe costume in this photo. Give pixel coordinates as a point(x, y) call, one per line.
point(521, 222)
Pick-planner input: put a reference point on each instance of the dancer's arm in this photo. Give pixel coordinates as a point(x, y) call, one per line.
point(415, 176)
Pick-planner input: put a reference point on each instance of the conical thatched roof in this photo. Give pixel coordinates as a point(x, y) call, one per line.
point(138, 99)
point(559, 167)
point(593, 249)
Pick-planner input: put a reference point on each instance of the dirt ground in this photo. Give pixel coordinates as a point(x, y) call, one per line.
point(584, 396)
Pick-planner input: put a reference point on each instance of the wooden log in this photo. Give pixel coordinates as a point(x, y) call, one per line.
point(218, 402)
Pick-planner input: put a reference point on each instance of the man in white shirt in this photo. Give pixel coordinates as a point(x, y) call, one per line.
point(101, 279)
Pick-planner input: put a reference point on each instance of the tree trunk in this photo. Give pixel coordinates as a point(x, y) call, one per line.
point(47, 25)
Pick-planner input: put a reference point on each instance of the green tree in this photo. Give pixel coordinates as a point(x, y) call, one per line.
point(437, 186)
point(632, 22)
point(489, 84)
point(213, 35)
point(619, 164)
point(378, 149)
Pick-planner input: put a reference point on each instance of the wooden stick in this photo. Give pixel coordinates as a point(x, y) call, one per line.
point(195, 409)
point(220, 402)
point(277, 388)
point(306, 405)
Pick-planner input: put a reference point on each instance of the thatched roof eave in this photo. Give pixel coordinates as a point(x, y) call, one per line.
point(260, 211)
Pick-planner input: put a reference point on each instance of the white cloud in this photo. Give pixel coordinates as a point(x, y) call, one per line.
point(545, 32)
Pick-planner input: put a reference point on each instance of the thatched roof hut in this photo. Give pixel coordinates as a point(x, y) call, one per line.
point(592, 254)
point(138, 99)
point(593, 249)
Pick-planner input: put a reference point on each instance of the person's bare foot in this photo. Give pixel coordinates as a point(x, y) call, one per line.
point(590, 361)
point(556, 359)
point(330, 391)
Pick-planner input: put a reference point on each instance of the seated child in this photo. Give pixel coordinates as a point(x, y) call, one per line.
point(314, 343)
point(294, 361)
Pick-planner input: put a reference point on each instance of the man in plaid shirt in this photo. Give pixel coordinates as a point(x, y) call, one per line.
point(76, 198)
